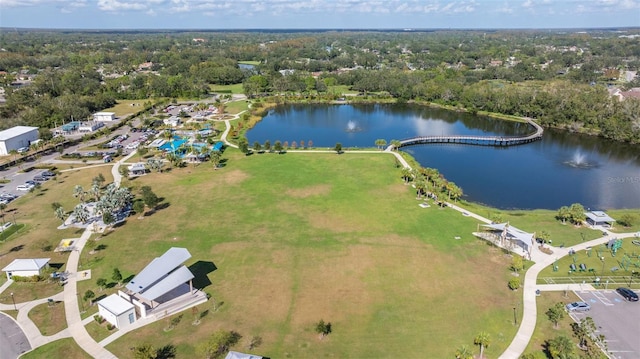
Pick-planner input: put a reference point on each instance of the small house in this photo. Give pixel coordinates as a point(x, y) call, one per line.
point(137, 169)
point(117, 311)
point(26, 267)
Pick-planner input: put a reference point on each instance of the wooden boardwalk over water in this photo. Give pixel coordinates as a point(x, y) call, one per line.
point(500, 141)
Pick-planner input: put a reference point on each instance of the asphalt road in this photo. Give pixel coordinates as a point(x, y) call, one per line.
point(616, 319)
point(12, 340)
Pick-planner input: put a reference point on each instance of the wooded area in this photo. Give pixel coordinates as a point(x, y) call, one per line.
point(561, 78)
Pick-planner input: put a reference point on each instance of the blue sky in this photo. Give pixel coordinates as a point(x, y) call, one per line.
point(316, 14)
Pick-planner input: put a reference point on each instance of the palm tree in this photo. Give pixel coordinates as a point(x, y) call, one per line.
point(395, 144)
point(60, 213)
point(380, 143)
point(3, 206)
point(406, 174)
point(81, 213)
point(215, 159)
point(464, 352)
point(482, 339)
point(78, 191)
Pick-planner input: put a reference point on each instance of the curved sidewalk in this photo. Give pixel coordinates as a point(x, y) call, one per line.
point(529, 310)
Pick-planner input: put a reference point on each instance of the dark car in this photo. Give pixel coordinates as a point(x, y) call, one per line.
point(628, 294)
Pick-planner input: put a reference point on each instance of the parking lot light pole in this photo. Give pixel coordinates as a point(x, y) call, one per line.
point(602, 272)
point(515, 319)
point(14, 302)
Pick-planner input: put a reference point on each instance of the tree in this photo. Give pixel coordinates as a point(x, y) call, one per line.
point(149, 198)
point(483, 340)
point(219, 344)
point(101, 282)
point(145, 351)
point(323, 328)
point(257, 146)
point(117, 276)
point(138, 207)
point(627, 220)
point(380, 143)
point(561, 347)
point(464, 352)
point(243, 145)
point(124, 171)
point(3, 206)
point(60, 214)
point(108, 218)
point(89, 295)
point(277, 146)
point(514, 283)
point(396, 144)
point(556, 313)
point(267, 146)
point(563, 214)
point(516, 263)
point(215, 159)
point(338, 148)
point(78, 192)
point(584, 330)
point(577, 213)
point(81, 213)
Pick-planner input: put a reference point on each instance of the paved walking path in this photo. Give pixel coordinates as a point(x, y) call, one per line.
point(529, 315)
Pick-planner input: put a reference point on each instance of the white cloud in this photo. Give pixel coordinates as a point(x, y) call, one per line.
point(116, 5)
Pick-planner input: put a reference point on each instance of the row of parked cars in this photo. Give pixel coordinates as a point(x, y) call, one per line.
point(28, 185)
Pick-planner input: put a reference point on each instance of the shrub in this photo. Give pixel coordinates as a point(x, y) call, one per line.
point(32, 279)
point(514, 283)
point(98, 318)
point(110, 326)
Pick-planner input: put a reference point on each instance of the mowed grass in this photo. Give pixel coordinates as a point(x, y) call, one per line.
point(298, 238)
point(236, 107)
point(233, 89)
point(126, 107)
point(63, 348)
point(50, 319)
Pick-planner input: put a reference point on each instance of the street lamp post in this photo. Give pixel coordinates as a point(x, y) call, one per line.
point(14, 302)
point(515, 319)
point(602, 272)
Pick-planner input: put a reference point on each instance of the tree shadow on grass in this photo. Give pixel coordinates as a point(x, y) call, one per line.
point(200, 270)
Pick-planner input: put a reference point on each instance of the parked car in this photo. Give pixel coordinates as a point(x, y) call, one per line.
point(47, 174)
point(627, 294)
point(40, 179)
point(25, 187)
point(578, 307)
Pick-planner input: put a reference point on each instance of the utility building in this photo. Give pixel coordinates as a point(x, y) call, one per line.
point(17, 137)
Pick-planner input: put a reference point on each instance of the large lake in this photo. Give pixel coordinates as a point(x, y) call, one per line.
point(562, 169)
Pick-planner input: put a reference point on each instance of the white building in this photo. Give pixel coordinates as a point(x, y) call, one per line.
point(90, 126)
point(26, 267)
point(104, 116)
point(172, 121)
point(17, 137)
point(599, 218)
point(117, 311)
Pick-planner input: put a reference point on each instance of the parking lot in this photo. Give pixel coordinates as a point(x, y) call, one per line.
point(616, 319)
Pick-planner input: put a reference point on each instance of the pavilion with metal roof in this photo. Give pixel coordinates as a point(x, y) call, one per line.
point(599, 218)
point(510, 233)
point(161, 276)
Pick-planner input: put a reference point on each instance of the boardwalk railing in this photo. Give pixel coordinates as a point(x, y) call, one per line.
point(478, 140)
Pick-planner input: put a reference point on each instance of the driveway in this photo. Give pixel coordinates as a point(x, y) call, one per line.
point(616, 319)
point(12, 339)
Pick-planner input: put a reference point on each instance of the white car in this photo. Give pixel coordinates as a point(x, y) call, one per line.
point(25, 187)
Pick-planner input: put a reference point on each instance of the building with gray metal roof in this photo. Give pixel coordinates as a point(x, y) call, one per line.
point(162, 275)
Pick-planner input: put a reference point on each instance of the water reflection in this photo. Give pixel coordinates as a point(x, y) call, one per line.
point(561, 169)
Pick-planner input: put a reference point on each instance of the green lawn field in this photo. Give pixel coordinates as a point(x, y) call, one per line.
point(282, 241)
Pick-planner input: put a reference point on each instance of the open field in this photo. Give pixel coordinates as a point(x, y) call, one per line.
point(236, 107)
point(341, 89)
point(126, 107)
point(232, 89)
point(282, 241)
